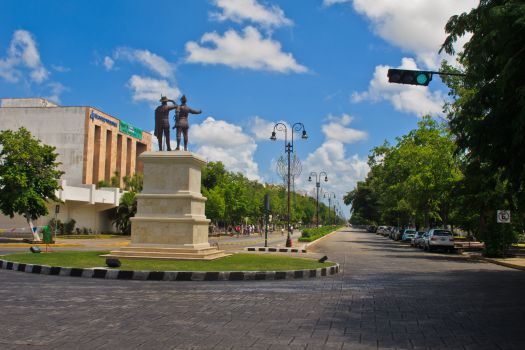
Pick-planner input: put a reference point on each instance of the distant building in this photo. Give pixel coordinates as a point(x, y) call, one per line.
point(92, 146)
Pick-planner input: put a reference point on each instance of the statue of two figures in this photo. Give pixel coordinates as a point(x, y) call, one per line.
point(162, 122)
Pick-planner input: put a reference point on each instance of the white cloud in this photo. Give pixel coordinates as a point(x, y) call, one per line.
point(108, 63)
point(333, 2)
point(415, 26)
point(343, 171)
point(150, 89)
point(22, 63)
point(262, 128)
point(250, 10)
point(218, 140)
point(336, 130)
point(56, 90)
point(60, 69)
point(22, 55)
point(245, 50)
point(153, 62)
point(406, 98)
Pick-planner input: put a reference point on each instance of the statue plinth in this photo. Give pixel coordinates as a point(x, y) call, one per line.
point(170, 222)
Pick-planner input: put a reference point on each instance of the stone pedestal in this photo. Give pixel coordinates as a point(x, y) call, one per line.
point(170, 222)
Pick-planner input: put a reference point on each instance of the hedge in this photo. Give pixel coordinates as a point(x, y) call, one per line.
point(311, 234)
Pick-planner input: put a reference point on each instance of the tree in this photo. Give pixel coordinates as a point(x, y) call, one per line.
point(126, 209)
point(411, 182)
point(488, 112)
point(487, 117)
point(28, 175)
point(364, 204)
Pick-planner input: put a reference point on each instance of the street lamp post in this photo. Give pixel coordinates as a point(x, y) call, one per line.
point(317, 185)
point(330, 196)
point(288, 148)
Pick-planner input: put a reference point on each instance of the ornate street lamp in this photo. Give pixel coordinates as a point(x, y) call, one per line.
point(288, 148)
point(318, 178)
point(330, 195)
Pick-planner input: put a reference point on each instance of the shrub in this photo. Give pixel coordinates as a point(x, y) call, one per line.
point(59, 226)
point(311, 234)
point(69, 227)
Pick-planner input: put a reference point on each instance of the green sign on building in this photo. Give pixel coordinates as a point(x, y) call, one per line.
point(130, 130)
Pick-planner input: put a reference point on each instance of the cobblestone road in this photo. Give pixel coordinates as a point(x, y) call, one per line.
point(388, 296)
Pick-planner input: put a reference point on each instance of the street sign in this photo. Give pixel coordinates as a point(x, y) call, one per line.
point(503, 217)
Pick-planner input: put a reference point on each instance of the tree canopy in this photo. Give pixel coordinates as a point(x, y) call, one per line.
point(29, 175)
point(488, 112)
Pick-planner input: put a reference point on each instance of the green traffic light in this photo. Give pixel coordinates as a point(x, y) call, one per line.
point(422, 79)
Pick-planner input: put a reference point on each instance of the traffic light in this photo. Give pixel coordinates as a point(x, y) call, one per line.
point(412, 77)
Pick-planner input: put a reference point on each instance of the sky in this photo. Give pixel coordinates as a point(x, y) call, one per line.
point(248, 64)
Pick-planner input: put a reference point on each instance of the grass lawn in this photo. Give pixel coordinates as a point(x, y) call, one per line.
point(236, 262)
point(90, 236)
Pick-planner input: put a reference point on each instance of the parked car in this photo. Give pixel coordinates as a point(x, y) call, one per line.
point(399, 234)
point(439, 239)
point(417, 240)
point(371, 229)
point(408, 234)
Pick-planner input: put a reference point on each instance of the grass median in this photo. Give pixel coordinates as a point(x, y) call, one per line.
point(235, 262)
point(312, 234)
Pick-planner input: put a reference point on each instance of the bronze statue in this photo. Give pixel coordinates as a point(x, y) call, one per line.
point(162, 121)
point(181, 121)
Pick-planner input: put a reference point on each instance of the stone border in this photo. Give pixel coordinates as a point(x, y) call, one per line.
point(308, 245)
point(103, 273)
point(498, 262)
point(275, 250)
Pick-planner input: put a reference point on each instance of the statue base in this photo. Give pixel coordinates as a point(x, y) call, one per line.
point(170, 222)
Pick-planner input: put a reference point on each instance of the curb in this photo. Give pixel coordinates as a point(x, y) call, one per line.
point(497, 262)
point(103, 273)
point(275, 250)
point(308, 245)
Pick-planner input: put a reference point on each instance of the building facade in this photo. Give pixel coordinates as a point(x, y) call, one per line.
point(92, 146)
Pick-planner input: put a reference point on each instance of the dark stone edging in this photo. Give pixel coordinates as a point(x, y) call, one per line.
point(497, 262)
point(275, 250)
point(103, 273)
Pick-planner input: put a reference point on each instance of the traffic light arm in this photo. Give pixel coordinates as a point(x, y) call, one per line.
point(414, 77)
point(452, 74)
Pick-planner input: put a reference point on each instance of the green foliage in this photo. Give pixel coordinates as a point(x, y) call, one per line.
point(69, 227)
point(487, 114)
point(311, 234)
point(28, 174)
point(409, 183)
point(232, 198)
point(59, 226)
point(134, 183)
point(487, 117)
point(127, 209)
point(102, 184)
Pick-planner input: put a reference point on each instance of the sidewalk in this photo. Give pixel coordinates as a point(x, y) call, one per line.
point(513, 263)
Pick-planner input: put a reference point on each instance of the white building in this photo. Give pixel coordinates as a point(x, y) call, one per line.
point(92, 146)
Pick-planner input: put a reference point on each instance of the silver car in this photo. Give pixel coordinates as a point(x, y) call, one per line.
point(417, 240)
point(438, 238)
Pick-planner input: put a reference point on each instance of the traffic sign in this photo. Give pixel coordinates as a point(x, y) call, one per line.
point(503, 217)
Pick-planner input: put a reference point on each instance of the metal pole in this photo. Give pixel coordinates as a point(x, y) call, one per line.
point(317, 184)
point(55, 225)
point(329, 205)
point(288, 239)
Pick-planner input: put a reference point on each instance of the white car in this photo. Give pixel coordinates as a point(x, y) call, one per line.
point(439, 238)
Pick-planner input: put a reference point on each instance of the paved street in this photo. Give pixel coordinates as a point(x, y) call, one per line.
point(387, 296)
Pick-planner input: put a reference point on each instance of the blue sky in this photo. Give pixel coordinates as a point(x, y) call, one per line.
point(246, 63)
